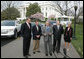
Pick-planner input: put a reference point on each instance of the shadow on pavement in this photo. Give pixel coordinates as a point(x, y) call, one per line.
point(5, 41)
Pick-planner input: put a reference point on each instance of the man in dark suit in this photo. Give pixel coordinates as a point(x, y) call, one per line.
point(36, 36)
point(57, 31)
point(26, 34)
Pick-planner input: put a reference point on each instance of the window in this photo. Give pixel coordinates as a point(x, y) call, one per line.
point(42, 8)
point(46, 14)
point(42, 13)
point(50, 8)
point(46, 8)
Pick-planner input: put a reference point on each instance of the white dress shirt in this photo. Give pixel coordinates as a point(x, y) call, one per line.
point(58, 26)
point(28, 24)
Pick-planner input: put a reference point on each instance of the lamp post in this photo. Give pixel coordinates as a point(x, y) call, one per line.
point(75, 7)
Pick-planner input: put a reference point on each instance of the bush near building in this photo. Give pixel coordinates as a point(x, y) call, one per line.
point(10, 13)
point(33, 9)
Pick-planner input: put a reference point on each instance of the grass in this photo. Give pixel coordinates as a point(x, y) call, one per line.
point(78, 43)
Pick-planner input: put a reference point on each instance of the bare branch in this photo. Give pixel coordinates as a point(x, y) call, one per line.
point(8, 4)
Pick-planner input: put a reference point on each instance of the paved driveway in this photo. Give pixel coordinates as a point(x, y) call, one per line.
point(13, 49)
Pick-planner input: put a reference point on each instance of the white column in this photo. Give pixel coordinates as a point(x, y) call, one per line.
point(22, 13)
point(25, 11)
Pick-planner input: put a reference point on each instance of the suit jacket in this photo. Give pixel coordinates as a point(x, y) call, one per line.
point(36, 32)
point(25, 31)
point(47, 34)
point(57, 33)
point(70, 32)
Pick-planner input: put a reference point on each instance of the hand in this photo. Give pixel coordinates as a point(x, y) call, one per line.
point(38, 36)
point(50, 33)
point(71, 38)
point(44, 34)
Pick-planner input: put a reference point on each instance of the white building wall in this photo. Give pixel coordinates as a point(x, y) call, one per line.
point(50, 10)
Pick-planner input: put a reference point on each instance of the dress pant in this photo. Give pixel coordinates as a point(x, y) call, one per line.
point(37, 48)
point(26, 46)
point(56, 44)
point(35, 45)
point(48, 45)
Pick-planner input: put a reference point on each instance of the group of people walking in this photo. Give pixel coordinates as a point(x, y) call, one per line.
point(47, 32)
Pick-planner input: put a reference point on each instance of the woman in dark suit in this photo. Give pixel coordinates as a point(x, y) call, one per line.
point(68, 35)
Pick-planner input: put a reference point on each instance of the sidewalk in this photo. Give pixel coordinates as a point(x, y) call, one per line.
point(14, 50)
point(72, 53)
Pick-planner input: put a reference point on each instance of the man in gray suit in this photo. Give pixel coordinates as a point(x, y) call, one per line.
point(47, 33)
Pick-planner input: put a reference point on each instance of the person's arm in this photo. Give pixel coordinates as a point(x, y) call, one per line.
point(33, 30)
point(22, 30)
point(65, 31)
point(53, 30)
point(43, 31)
point(62, 30)
point(40, 31)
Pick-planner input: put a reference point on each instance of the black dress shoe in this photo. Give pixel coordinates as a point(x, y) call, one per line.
point(46, 54)
point(29, 55)
point(58, 51)
point(50, 54)
point(53, 51)
point(38, 51)
point(33, 52)
point(26, 56)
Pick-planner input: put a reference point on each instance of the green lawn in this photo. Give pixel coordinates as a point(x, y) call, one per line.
point(78, 43)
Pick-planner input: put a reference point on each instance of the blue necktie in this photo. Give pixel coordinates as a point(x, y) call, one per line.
point(47, 28)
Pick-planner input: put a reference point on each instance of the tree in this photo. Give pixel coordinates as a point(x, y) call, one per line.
point(52, 17)
point(67, 7)
point(80, 13)
point(8, 9)
point(10, 13)
point(37, 16)
point(63, 7)
point(33, 9)
point(8, 4)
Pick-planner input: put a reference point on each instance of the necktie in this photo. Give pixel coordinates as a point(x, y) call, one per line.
point(47, 28)
point(28, 25)
point(37, 28)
